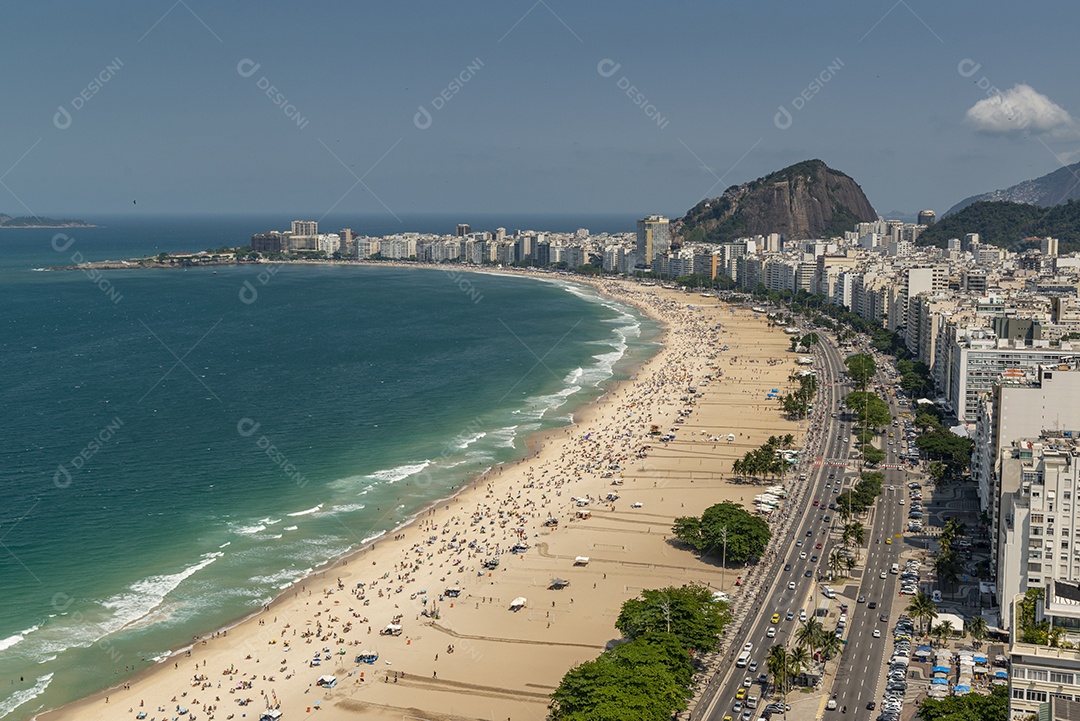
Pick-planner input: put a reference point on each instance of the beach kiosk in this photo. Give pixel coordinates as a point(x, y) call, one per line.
point(270, 714)
point(452, 592)
point(392, 629)
point(368, 657)
point(518, 603)
point(326, 682)
point(581, 560)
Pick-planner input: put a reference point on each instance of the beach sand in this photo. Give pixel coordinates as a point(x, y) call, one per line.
point(478, 659)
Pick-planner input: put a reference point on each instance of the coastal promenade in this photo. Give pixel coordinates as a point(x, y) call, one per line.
point(465, 654)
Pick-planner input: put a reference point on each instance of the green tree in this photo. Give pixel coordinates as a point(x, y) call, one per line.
point(861, 367)
point(978, 630)
point(688, 612)
point(798, 661)
point(923, 608)
point(836, 563)
point(647, 678)
point(870, 410)
point(747, 534)
point(831, 645)
point(777, 663)
point(873, 455)
point(809, 634)
point(970, 707)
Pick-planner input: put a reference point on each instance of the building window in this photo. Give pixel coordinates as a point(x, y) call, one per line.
point(1038, 674)
point(1018, 694)
point(1063, 678)
point(1064, 545)
point(1033, 695)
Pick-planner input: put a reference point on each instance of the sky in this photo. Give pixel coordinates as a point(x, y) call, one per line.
point(523, 106)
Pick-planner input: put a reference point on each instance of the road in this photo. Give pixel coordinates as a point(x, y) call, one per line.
point(860, 675)
point(799, 548)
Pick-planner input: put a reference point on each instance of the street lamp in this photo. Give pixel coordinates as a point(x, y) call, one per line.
point(723, 567)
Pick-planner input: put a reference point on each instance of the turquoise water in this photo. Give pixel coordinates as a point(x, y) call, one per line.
point(174, 456)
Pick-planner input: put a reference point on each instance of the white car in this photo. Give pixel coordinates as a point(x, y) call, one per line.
point(901, 501)
point(791, 586)
point(877, 633)
point(802, 556)
point(771, 632)
point(884, 575)
point(748, 647)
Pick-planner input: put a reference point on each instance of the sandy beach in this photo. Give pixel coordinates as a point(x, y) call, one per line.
point(468, 655)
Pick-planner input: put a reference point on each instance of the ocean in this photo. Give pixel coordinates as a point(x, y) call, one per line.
point(181, 445)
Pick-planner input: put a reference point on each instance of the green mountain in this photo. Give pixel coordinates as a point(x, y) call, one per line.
point(1007, 225)
point(805, 200)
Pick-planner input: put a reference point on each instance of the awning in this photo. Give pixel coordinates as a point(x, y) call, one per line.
point(939, 681)
point(962, 689)
point(979, 658)
point(1001, 674)
point(941, 669)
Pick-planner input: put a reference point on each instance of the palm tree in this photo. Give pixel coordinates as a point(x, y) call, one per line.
point(831, 645)
point(777, 663)
point(798, 660)
point(922, 608)
point(1054, 636)
point(849, 563)
point(809, 634)
point(978, 629)
point(941, 632)
point(836, 563)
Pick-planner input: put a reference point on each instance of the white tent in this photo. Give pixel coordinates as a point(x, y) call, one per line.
point(326, 681)
point(517, 603)
point(581, 561)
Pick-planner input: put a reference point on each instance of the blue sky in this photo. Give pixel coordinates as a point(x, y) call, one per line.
point(899, 95)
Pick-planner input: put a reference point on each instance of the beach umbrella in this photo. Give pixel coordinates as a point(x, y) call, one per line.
point(1001, 674)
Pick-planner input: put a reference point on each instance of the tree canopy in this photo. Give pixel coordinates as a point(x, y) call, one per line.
point(747, 534)
point(861, 367)
point(689, 614)
point(647, 678)
point(970, 707)
point(870, 410)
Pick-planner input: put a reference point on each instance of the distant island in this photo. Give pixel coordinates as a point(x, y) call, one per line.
point(31, 221)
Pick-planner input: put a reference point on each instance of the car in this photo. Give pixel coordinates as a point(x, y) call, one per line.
point(746, 715)
point(798, 542)
point(752, 667)
point(871, 705)
point(836, 489)
point(776, 618)
point(876, 633)
point(771, 632)
point(814, 558)
point(816, 502)
point(791, 586)
point(888, 541)
point(809, 533)
point(832, 506)
point(831, 705)
point(748, 647)
point(729, 717)
point(747, 682)
point(790, 615)
point(802, 615)
point(872, 605)
point(737, 707)
point(818, 545)
point(827, 519)
point(787, 566)
point(883, 575)
point(883, 618)
point(802, 556)
point(740, 695)
point(808, 573)
point(860, 599)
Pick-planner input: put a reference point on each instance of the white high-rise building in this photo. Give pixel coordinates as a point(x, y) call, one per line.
point(653, 238)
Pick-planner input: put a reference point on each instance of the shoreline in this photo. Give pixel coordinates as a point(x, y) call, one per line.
point(533, 443)
point(536, 445)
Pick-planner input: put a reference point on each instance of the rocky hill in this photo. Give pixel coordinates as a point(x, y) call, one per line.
point(1051, 189)
point(805, 200)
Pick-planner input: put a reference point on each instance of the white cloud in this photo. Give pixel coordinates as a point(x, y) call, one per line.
point(1021, 109)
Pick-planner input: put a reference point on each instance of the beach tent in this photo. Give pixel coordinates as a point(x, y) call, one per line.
point(961, 690)
point(940, 669)
point(326, 681)
point(939, 681)
point(270, 714)
point(558, 583)
point(979, 658)
point(1001, 674)
point(518, 603)
point(581, 561)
